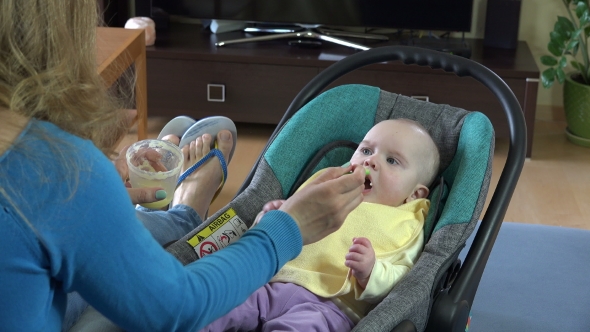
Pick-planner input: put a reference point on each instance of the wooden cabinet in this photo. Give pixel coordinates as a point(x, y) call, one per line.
point(261, 79)
point(253, 92)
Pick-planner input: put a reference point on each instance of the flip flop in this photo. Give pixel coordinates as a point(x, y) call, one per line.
point(177, 126)
point(187, 129)
point(211, 125)
point(213, 153)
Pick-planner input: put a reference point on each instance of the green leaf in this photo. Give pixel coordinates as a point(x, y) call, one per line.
point(562, 62)
point(575, 50)
point(581, 9)
point(584, 19)
point(573, 44)
point(578, 66)
point(560, 75)
point(576, 33)
point(548, 60)
point(547, 77)
point(555, 49)
point(564, 26)
point(557, 38)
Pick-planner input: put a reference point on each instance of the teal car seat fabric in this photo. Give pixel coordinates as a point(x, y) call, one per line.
point(467, 171)
point(346, 112)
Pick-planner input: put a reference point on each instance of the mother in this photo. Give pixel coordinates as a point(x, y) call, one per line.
point(65, 218)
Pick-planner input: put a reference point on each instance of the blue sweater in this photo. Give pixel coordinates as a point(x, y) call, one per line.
point(67, 224)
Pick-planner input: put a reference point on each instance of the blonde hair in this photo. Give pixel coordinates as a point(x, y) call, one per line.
point(431, 162)
point(48, 69)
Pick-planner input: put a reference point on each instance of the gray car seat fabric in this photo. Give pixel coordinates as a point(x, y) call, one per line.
point(466, 143)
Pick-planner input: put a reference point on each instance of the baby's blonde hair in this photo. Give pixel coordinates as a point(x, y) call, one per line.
point(431, 164)
point(48, 68)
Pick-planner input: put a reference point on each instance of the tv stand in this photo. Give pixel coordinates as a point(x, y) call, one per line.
point(460, 47)
point(304, 32)
point(261, 79)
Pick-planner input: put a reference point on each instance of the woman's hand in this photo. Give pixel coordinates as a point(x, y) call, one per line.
point(138, 195)
point(321, 207)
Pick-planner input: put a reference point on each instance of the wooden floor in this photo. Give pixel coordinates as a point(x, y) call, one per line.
point(554, 187)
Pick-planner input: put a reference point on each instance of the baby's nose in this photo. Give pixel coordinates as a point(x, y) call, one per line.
point(369, 163)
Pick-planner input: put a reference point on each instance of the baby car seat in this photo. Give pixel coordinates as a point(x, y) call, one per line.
point(437, 293)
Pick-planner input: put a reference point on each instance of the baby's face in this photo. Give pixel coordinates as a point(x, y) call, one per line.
point(393, 151)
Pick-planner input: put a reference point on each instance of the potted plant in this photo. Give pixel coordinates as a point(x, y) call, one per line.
point(569, 41)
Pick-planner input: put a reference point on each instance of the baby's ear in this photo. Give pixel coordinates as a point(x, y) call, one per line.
point(419, 192)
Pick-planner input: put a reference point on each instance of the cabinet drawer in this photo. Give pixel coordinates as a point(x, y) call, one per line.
point(463, 92)
point(253, 93)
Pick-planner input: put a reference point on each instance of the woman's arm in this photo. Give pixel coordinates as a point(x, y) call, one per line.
point(116, 265)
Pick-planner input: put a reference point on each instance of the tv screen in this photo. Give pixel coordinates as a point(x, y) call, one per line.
point(443, 15)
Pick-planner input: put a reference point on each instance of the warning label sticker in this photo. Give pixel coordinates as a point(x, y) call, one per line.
point(226, 229)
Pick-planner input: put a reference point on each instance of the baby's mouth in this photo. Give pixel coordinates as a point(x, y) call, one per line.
point(368, 184)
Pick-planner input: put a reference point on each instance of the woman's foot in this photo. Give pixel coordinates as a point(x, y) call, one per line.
point(198, 189)
point(172, 139)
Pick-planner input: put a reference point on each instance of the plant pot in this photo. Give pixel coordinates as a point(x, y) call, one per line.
point(576, 104)
point(577, 139)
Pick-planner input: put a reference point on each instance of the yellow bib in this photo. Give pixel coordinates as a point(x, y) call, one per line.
point(320, 266)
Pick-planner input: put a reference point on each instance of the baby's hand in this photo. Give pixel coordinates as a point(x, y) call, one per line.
point(272, 205)
point(360, 259)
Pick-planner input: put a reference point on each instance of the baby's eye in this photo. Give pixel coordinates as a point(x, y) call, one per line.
point(392, 161)
point(365, 151)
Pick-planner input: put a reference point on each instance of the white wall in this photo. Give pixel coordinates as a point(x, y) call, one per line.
point(536, 22)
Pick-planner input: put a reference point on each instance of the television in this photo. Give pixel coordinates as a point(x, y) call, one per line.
point(440, 15)
point(316, 15)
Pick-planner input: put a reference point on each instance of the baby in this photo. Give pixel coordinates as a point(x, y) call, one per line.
point(317, 291)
